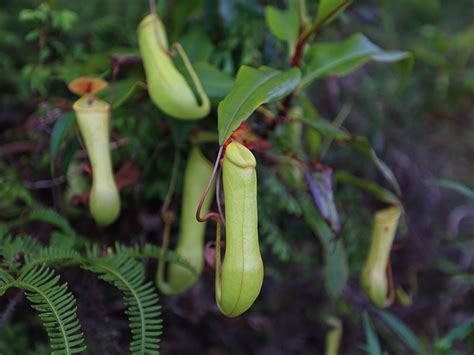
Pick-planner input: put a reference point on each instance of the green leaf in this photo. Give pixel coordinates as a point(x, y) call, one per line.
point(68, 153)
point(327, 128)
point(363, 146)
point(180, 130)
point(336, 270)
point(284, 24)
point(328, 10)
point(378, 191)
point(452, 185)
point(344, 57)
point(182, 12)
point(253, 87)
point(458, 333)
point(398, 327)
point(61, 127)
point(215, 82)
point(373, 344)
point(32, 35)
point(133, 89)
point(197, 45)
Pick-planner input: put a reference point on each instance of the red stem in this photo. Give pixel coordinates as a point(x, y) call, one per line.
point(209, 183)
point(303, 39)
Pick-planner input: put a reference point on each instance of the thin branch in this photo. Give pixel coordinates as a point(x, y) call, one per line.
point(45, 184)
point(81, 154)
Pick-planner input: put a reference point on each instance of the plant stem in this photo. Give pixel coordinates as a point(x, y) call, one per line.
point(211, 179)
point(172, 186)
point(303, 39)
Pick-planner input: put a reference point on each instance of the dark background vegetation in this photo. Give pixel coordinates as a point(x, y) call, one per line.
point(423, 130)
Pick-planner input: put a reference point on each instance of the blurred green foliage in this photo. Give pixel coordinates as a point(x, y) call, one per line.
point(423, 128)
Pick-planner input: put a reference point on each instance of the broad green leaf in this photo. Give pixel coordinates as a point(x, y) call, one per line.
point(215, 82)
point(336, 270)
point(378, 191)
point(252, 88)
point(373, 344)
point(344, 57)
point(362, 145)
point(328, 10)
point(452, 185)
point(61, 127)
point(284, 24)
point(398, 327)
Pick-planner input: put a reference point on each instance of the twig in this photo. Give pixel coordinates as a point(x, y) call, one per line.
point(17, 148)
point(45, 184)
point(112, 146)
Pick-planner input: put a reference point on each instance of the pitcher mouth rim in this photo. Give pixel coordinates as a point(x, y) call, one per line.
point(78, 107)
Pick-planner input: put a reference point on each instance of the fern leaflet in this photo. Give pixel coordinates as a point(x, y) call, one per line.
point(50, 216)
point(152, 251)
point(57, 309)
point(140, 297)
point(6, 281)
point(12, 247)
point(53, 255)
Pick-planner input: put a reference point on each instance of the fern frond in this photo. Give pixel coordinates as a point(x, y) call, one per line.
point(46, 215)
point(50, 216)
point(52, 256)
point(12, 247)
point(57, 309)
point(140, 297)
point(151, 251)
point(93, 251)
point(6, 281)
